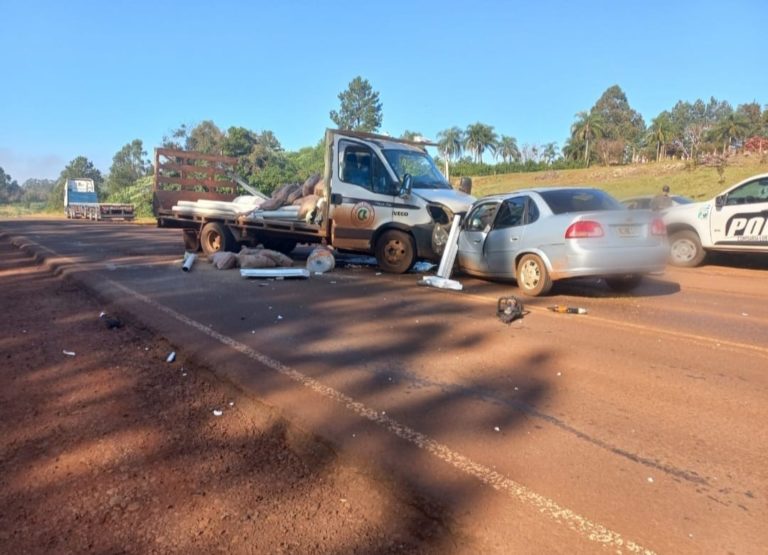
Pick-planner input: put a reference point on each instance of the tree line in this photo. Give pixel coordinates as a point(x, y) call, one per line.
point(610, 132)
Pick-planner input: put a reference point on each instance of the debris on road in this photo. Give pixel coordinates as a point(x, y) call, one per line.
point(443, 278)
point(69, 353)
point(223, 260)
point(110, 321)
point(321, 260)
point(262, 258)
point(560, 309)
point(355, 261)
point(171, 356)
point(274, 272)
point(189, 260)
point(509, 309)
point(422, 267)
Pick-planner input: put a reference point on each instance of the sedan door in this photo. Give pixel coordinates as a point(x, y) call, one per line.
point(476, 228)
point(506, 239)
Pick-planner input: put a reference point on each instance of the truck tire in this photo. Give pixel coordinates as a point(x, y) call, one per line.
point(685, 249)
point(532, 276)
point(191, 240)
point(395, 251)
point(283, 245)
point(216, 237)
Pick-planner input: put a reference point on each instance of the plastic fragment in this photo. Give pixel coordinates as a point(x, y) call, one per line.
point(171, 356)
point(217, 412)
point(69, 353)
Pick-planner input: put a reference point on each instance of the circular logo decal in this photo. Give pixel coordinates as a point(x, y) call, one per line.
point(362, 214)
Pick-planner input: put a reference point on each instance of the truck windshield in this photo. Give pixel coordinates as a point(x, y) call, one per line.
point(423, 172)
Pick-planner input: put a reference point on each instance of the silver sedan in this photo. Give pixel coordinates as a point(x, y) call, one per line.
point(537, 236)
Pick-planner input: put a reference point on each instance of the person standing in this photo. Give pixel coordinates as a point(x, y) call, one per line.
point(661, 201)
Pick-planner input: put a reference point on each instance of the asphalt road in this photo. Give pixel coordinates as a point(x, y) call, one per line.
point(639, 427)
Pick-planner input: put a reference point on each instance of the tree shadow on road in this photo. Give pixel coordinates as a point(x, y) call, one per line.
point(116, 450)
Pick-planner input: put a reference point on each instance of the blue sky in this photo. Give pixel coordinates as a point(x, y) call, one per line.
point(87, 77)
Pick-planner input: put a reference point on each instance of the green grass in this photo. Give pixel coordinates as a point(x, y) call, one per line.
point(700, 183)
point(22, 210)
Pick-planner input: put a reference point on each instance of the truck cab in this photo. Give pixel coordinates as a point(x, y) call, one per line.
point(387, 197)
point(734, 221)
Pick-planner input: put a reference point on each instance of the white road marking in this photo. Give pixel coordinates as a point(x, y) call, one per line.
point(590, 530)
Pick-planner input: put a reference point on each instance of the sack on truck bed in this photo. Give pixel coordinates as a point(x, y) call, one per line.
point(223, 260)
point(308, 188)
point(320, 189)
point(280, 197)
point(307, 205)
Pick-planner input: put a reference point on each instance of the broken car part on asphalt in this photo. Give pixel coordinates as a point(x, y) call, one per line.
point(274, 273)
point(443, 278)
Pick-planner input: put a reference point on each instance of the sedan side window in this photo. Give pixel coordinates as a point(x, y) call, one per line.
point(511, 213)
point(481, 218)
point(749, 193)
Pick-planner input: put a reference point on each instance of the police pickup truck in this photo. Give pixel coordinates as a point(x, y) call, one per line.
point(734, 221)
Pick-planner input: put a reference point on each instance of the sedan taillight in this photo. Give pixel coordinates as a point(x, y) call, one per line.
point(584, 229)
point(658, 227)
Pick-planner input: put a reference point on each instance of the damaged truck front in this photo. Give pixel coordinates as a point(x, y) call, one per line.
point(378, 195)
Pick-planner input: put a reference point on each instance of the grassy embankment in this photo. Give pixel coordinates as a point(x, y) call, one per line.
point(700, 183)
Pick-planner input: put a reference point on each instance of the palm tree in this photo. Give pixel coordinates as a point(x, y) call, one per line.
point(450, 142)
point(549, 153)
point(588, 126)
point(479, 138)
point(732, 126)
point(507, 149)
point(660, 132)
point(572, 149)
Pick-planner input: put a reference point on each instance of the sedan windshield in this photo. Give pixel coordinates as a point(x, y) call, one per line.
point(423, 172)
point(563, 201)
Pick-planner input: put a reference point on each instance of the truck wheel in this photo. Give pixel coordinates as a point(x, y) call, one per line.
point(284, 246)
point(191, 240)
point(532, 276)
point(395, 251)
point(216, 237)
point(624, 284)
point(685, 249)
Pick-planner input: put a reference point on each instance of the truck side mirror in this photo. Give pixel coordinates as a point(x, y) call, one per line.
point(720, 201)
point(406, 187)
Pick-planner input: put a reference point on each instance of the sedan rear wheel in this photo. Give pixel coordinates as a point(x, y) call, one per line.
point(532, 276)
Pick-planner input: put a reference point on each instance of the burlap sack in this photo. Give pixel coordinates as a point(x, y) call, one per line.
point(320, 189)
point(308, 187)
point(308, 204)
point(280, 197)
point(278, 258)
point(255, 261)
point(224, 260)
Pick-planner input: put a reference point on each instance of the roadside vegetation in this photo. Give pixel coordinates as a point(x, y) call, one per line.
point(695, 147)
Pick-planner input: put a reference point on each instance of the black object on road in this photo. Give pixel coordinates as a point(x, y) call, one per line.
point(509, 309)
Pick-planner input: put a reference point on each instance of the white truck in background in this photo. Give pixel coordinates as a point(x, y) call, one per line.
point(81, 201)
point(734, 221)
